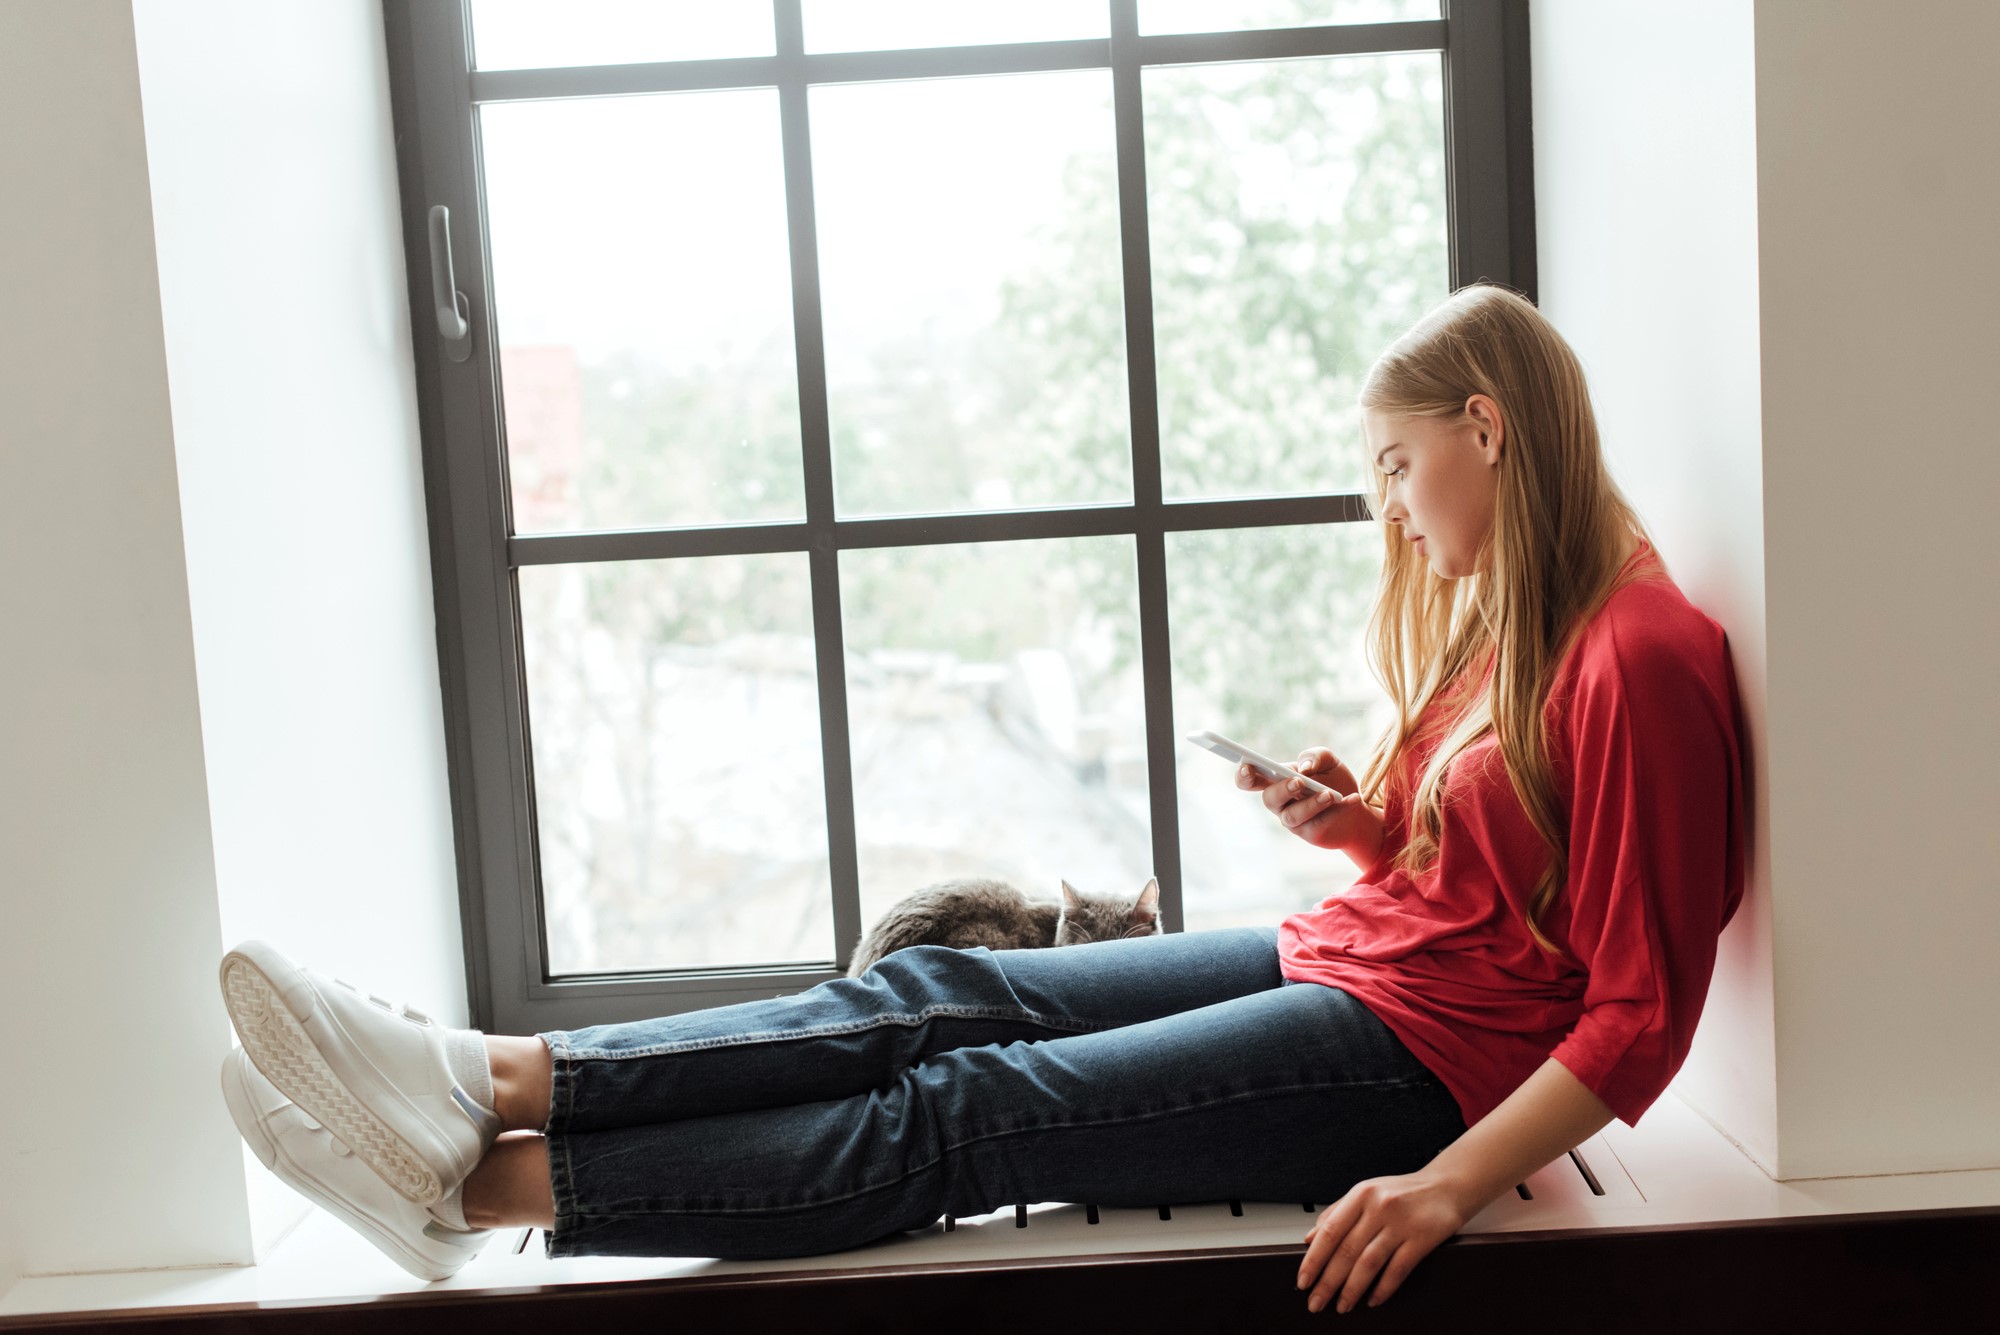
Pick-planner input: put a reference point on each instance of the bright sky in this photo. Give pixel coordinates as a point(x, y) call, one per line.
point(658, 223)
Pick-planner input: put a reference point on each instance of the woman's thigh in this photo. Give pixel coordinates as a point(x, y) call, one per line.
point(1289, 1093)
point(851, 1035)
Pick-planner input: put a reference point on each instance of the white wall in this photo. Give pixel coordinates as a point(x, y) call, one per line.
point(1762, 228)
point(295, 425)
point(1646, 218)
point(225, 721)
point(115, 1147)
point(294, 413)
point(1878, 128)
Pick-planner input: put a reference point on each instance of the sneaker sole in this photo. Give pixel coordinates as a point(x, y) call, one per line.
point(243, 1110)
point(269, 1020)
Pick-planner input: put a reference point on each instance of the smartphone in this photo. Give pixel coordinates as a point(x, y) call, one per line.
point(1242, 755)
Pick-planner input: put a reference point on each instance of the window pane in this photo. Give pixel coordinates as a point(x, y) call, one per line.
point(998, 717)
point(680, 803)
point(975, 332)
point(887, 25)
point(1298, 226)
point(1268, 630)
point(1235, 15)
point(530, 34)
point(643, 304)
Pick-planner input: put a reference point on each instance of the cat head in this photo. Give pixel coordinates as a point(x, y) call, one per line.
point(1088, 917)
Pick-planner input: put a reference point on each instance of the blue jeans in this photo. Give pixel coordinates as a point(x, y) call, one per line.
point(1152, 1071)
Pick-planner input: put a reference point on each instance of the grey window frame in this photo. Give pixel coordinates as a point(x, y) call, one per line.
point(434, 94)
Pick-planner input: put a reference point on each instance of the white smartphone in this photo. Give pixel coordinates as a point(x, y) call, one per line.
point(1240, 754)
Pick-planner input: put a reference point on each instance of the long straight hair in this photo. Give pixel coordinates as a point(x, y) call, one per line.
point(1489, 644)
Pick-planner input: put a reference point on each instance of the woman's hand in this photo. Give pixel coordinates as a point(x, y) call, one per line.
point(1340, 820)
point(1381, 1227)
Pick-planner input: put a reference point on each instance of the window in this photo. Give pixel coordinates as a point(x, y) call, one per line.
point(863, 436)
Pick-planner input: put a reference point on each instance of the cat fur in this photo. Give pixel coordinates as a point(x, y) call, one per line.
point(982, 912)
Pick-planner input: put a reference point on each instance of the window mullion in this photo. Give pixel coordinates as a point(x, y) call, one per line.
point(1149, 529)
point(1477, 200)
point(843, 867)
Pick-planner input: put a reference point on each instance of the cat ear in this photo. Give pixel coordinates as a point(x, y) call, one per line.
point(1071, 899)
point(1148, 907)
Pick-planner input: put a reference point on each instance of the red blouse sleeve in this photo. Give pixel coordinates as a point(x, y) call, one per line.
point(1654, 849)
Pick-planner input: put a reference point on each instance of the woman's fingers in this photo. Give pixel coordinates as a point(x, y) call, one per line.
point(1289, 790)
point(1354, 1280)
point(1304, 804)
point(1345, 1253)
point(1332, 1255)
point(1393, 1274)
point(1250, 779)
point(1321, 818)
point(1319, 1250)
point(1277, 794)
point(1325, 766)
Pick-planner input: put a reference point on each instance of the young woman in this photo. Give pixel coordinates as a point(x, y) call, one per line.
point(1550, 838)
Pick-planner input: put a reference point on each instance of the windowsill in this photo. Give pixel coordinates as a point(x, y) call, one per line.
point(1676, 1171)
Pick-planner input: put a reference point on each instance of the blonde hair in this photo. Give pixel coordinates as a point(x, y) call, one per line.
point(1551, 558)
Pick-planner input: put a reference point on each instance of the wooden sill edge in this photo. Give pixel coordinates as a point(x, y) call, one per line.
point(664, 1286)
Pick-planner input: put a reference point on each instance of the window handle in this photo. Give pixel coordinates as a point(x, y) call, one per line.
point(453, 312)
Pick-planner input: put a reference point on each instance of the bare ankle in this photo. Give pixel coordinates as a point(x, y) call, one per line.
point(523, 1075)
point(510, 1187)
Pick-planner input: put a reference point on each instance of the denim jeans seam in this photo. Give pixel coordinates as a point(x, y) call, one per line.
point(562, 1082)
point(904, 1019)
point(562, 1184)
point(1080, 1125)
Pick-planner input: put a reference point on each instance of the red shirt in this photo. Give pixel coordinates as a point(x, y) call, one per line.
point(1643, 737)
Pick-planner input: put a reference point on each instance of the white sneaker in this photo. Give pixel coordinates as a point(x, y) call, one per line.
point(373, 1074)
point(311, 1161)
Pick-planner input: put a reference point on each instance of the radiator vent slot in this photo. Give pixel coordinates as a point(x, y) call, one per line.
point(1563, 1178)
point(1571, 1178)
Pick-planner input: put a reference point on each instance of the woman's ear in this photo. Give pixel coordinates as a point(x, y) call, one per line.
point(1491, 425)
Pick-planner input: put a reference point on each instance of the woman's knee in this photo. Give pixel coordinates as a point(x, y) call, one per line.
point(921, 974)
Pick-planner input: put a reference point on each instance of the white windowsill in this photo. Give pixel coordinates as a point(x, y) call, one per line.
point(1676, 1170)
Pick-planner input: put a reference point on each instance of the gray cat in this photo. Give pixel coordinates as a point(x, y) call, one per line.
point(977, 912)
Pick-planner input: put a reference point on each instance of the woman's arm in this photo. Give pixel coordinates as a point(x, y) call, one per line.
point(1551, 1113)
point(1387, 1224)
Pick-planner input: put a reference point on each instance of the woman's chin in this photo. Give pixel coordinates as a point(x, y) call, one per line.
point(1444, 570)
point(1440, 567)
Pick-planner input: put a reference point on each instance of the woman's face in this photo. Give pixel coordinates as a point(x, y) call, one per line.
point(1443, 476)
